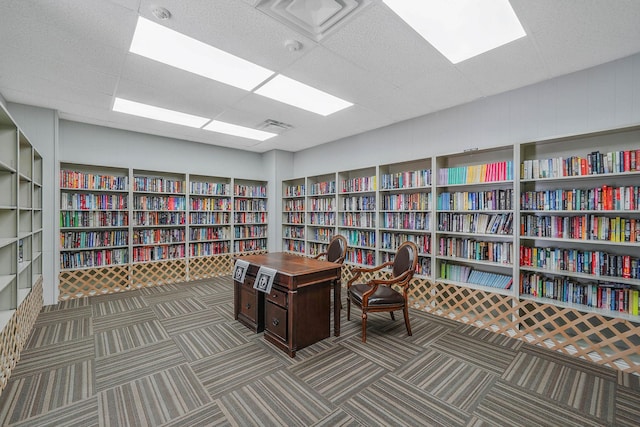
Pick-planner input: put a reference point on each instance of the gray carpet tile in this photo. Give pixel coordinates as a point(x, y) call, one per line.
point(37, 394)
point(275, 400)
point(508, 405)
point(136, 363)
point(338, 373)
point(153, 399)
point(393, 402)
point(126, 338)
point(454, 381)
point(173, 356)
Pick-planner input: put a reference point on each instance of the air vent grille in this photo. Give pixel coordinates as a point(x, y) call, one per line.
point(274, 126)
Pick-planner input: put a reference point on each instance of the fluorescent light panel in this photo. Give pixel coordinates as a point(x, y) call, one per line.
point(300, 95)
point(461, 29)
point(241, 131)
point(170, 47)
point(157, 113)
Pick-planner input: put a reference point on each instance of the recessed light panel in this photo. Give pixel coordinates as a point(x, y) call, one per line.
point(170, 47)
point(241, 131)
point(157, 113)
point(461, 29)
point(300, 95)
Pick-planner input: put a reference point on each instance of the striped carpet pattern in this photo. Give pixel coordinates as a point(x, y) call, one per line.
point(174, 356)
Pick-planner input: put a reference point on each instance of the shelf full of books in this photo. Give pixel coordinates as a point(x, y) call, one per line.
point(321, 212)
point(293, 216)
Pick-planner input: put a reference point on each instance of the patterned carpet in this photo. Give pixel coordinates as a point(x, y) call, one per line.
point(174, 356)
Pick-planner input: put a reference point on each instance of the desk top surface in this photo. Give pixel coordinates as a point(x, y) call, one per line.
point(289, 264)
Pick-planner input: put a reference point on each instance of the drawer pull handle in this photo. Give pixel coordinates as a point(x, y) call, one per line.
point(275, 322)
point(248, 306)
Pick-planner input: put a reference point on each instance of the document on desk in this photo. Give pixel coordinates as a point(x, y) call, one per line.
point(240, 270)
point(264, 279)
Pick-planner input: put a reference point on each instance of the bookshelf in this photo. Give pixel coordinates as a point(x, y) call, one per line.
point(293, 216)
point(357, 211)
point(322, 210)
point(210, 207)
point(405, 212)
point(580, 222)
point(250, 216)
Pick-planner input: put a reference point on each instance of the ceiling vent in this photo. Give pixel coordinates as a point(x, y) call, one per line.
point(274, 126)
point(312, 18)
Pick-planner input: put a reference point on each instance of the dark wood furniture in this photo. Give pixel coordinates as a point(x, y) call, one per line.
point(297, 311)
point(377, 294)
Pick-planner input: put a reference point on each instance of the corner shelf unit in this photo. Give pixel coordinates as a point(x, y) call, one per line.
point(124, 228)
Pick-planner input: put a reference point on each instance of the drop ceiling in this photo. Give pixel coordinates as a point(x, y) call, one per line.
point(73, 56)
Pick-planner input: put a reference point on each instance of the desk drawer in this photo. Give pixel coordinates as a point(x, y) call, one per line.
point(277, 297)
point(248, 303)
point(276, 320)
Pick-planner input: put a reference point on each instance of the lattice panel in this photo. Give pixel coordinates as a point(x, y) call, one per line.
point(28, 312)
point(605, 340)
point(159, 273)
point(93, 281)
point(210, 266)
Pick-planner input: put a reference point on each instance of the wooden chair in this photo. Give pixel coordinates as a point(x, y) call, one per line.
point(336, 251)
point(378, 295)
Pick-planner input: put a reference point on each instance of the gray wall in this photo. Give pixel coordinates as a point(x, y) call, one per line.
point(603, 97)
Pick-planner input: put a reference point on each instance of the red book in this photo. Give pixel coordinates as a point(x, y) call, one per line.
point(627, 160)
point(583, 166)
point(638, 159)
point(626, 266)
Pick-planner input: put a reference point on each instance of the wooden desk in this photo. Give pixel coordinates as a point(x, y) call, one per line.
point(297, 311)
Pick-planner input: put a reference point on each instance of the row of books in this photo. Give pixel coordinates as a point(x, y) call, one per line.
point(476, 174)
point(212, 218)
point(208, 248)
point(607, 296)
point(321, 234)
point(407, 202)
point(501, 252)
point(158, 185)
point(250, 190)
point(361, 256)
point(327, 219)
point(423, 267)
point(158, 235)
point(209, 233)
point(392, 241)
point(582, 227)
point(598, 263)
point(319, 188)
point(250, 231)
point(88, 201)
point(476, 223)
point(295, 218)
point(407, 179)
point(476, 200)
point(250, 205)
point(97, 258)
point(293, 232)
point(157, 253)
point(360, 238)
point(250, 245)
point(600, 198)
point(313, 249)
point(293, 205)
point(296, 246)
point(88, 181)
point(322, 204)
point(210, 188)
point(94, 219)
point(250, 217)
point(142, 219)
point(358, 203)
point(207, 204)
point(466, 274)
point(594, 163)
point(93, 239)
point(159, 203)
point(363, 183)
point(407, 220)
point(358, 219)
point(294, 191)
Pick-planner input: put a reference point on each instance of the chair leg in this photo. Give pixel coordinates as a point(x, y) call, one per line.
point(364, 327)
point(348, 308)
point(392, 316)
point(406, 319)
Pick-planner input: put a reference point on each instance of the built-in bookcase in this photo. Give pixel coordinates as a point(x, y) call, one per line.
point(357, 211)
point(250, 216)
point(210, 206)
point(322, 212)
point(293, 216)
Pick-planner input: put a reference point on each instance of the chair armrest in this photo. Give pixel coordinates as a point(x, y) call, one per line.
point(320, 255)
point(359, 270)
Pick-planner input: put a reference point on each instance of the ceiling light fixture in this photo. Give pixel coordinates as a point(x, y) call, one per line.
point(300, 95)
point(157, 113)
point(170, 47)
point(236, 130)
point(461, 29)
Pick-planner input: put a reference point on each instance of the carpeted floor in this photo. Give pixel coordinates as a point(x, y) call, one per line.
point(174, 356)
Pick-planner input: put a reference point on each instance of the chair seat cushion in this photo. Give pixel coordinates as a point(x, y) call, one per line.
point(384, 295)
